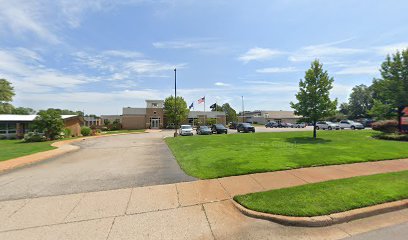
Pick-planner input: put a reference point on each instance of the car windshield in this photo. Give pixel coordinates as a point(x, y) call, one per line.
point(246, 124)
point(204, 127)
point(185, 127)
point(219, 126)
point(329, 122)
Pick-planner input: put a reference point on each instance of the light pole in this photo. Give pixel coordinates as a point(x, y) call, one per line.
point(243, 109)
point(175, 103)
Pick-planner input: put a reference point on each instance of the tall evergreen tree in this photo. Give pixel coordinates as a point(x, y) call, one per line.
point(314, 101)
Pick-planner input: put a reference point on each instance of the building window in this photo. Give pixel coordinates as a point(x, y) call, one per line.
point(154, 104)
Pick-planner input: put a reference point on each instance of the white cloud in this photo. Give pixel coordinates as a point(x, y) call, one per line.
point(221, 84)
point(357, 70)
point(327, 51)
point(121, 53)
point(20, 17)
point(150, 66)
point(180, 44)
point(277, 70)
point(256, 54)
point(391, 49)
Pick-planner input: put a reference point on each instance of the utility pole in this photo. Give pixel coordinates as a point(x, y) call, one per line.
point(175, 103)
point(243, 109)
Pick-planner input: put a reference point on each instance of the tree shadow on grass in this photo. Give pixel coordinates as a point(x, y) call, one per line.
point(307, 140)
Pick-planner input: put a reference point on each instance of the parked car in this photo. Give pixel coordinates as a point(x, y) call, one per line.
point(245, 127)
point(367, 122)
point(271, 124)
point(289, 125)
point(204, 130)
point(282, 125)
point(233, 125)
point(170, 126)
point(350, 124)
point(219, 128)
point(186, 130)
point(299, 125)
point(327, 125)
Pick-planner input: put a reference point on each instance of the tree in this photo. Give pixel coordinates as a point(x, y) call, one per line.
point(23, 111)
point(50, 123)
point(215, 107)
point(230, 113)
point(67, 111)
point(390, 91)
point(344, 109)
point(314, 101)
point(178, 114)
point(6, 96)
point(360, 101)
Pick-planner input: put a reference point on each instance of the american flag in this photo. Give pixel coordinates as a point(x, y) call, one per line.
point(201, 100)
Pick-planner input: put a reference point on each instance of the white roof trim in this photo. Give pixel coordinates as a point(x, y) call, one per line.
point(25, 118)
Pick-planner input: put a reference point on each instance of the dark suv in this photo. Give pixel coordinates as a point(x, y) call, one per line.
point(245, 127)
point(271, 124)
point(219, 128)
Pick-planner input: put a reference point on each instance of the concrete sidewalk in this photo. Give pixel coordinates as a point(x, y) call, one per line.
point(191, 210)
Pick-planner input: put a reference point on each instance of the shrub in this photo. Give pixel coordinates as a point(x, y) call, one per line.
point(387, 126)
point(34, 137)
point(86, 131)
point(67, 132)
point(393, 136)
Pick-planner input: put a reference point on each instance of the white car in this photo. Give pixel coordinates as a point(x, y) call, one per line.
point(327, 125)
point(350, 124)
point(186, 130)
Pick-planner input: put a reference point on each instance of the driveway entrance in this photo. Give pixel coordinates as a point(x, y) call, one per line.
point(101, 164)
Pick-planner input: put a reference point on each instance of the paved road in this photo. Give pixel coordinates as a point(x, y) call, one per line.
point(396, 232)
point(101, 164)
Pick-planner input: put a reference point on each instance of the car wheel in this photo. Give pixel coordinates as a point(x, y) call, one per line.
point(329, 128)
point(317, 128)
point(353, 128)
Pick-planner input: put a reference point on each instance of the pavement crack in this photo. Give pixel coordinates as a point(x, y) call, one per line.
point(178, 197)
point(130, 197)
point(251, 176)
point(110, 229)
point(208, 221)
point(76, 205)
point(291, 173)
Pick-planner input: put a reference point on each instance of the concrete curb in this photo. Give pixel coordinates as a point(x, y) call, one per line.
point(325, 220)
point(63, 147)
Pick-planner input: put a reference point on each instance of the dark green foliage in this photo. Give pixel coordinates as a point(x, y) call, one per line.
point(360, 102)
point(314, 101)
point(178, 114)
point(34, 137)
point(86, 131)
point(50, 123)
point(23, 111)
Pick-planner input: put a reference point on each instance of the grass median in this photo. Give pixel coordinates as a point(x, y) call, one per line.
point(17, 148)
point(329, 197)
point(236, 154)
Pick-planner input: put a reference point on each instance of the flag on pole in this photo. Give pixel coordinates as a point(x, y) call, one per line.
point(201, 100)
point(213, 106)
point(191, 106)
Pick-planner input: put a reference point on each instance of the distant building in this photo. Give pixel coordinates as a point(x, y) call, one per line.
point(263, 117)
point(15, 126)
point(92, 121)
point(153, 116)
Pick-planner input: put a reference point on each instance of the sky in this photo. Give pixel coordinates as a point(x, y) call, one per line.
point(98, 56)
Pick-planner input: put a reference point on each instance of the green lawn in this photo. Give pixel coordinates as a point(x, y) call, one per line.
point(123, 131)
point(16, 148)
point(236, 154)
point(329, 197)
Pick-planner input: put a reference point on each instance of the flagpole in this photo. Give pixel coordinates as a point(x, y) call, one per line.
point(205, 122)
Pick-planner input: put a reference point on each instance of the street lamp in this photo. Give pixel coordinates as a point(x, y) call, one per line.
point(175, 103)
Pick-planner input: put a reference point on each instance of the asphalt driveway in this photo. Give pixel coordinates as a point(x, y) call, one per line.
point(101, 164)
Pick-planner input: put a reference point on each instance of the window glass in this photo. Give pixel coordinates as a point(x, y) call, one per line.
point(11, 128)
point(3, 126)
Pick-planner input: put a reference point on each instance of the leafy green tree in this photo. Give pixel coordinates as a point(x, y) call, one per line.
point(230, 113)
point(23, 111)
point(6, 96)
point(314, 101)
point(390, 91)
point(50, 123)
point(67, 111)
point(175, 114)
point(215, 107)
point(360, 101)
point(344, 109)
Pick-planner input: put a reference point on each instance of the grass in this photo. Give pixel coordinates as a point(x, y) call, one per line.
point(123, 131)
point(329, 197)
point(236, 154)
point(16, 148)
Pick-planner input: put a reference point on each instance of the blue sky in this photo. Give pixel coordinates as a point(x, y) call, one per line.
point(100, 56)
